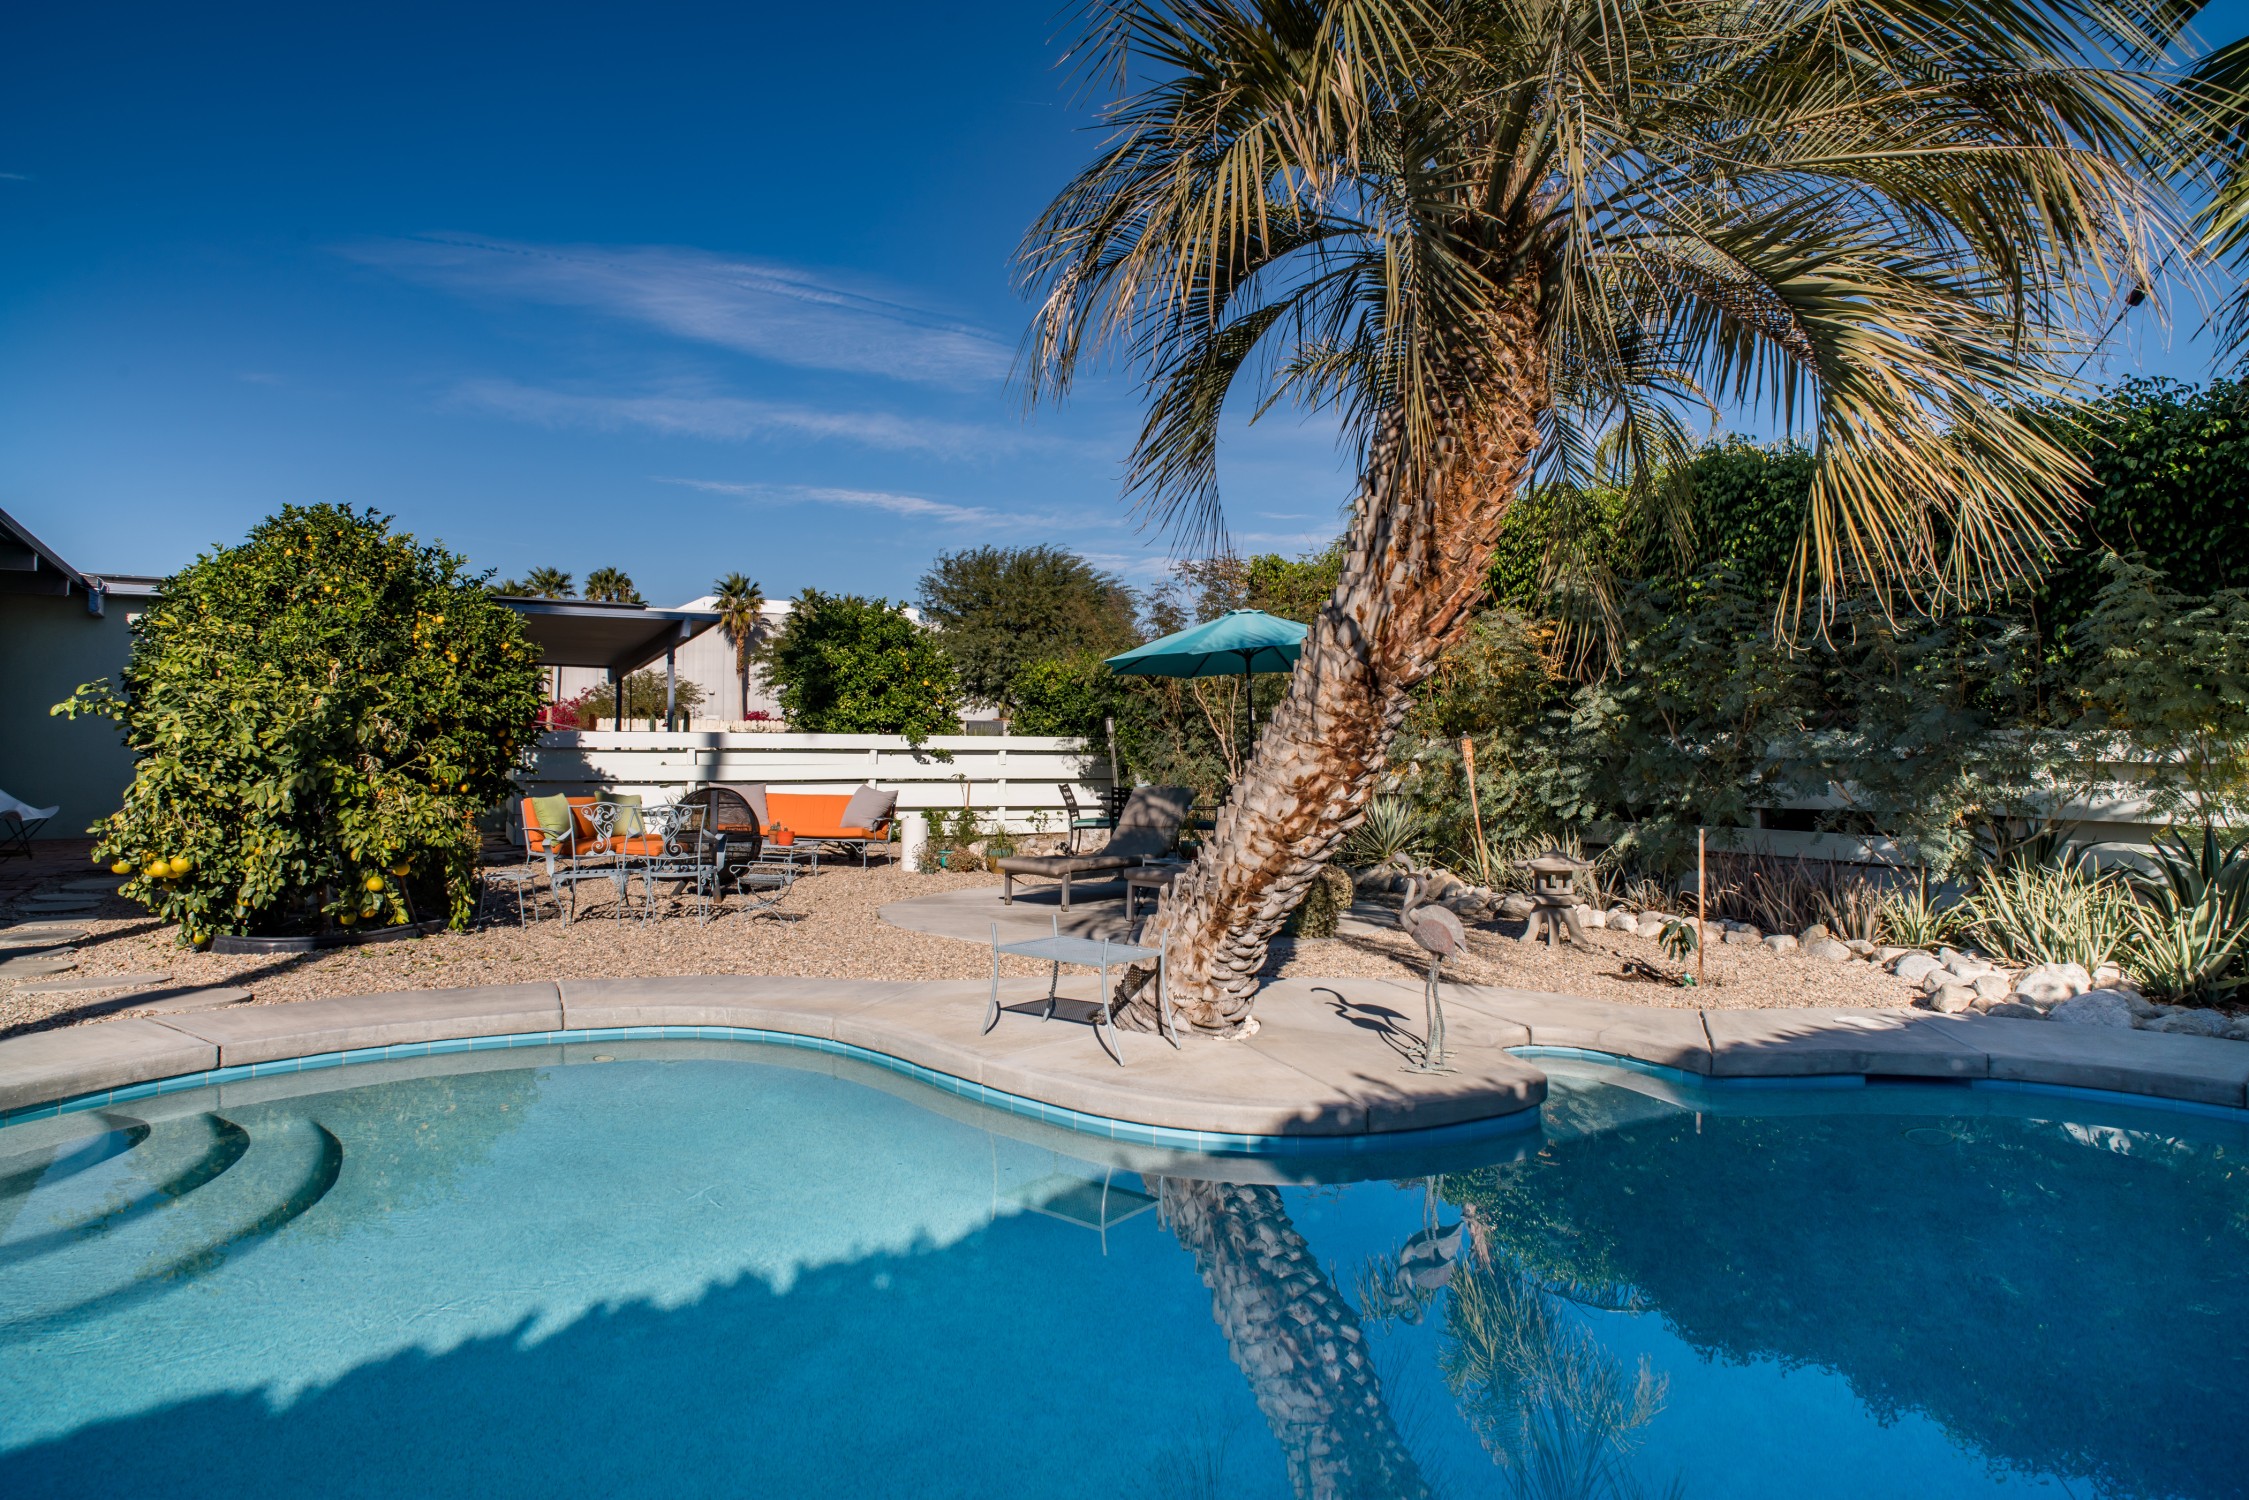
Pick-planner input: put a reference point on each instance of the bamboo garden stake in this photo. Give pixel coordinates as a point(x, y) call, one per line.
point(1468, 763)
point(1702, 898)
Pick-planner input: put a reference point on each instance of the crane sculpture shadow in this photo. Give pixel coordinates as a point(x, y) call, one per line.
point(1436, 931)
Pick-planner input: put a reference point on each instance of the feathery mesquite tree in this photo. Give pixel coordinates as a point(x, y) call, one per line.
point(1512, 241)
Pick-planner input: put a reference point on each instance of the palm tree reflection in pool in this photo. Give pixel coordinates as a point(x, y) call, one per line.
point(1297, 1341)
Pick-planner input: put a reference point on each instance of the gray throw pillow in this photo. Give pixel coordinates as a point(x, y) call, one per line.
point(868, 807)
point(752, 792)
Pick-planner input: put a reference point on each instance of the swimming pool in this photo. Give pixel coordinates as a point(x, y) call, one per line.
point(688, 1269)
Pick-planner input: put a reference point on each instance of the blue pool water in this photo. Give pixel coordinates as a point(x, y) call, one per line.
point(686, 1269)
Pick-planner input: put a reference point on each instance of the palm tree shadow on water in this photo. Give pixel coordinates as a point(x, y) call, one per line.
point(1557, 1413)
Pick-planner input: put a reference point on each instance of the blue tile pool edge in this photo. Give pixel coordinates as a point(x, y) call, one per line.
point(1688, 1078)
point(1132, 1132)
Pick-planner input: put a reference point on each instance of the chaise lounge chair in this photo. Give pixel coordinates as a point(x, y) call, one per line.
point(18, 822)
point(1146, 829)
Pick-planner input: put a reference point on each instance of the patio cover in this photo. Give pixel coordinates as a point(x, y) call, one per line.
point(621, 637)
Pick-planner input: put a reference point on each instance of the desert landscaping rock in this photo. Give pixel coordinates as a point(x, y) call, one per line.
point(1813, 934)
point(1829, 949)
point(1780, 942)
point(2016, 1010)
point(1744, 936)
point(1994, 987)
point(2093, 1008)
point(2191, 1023)
point(1952, 999)
point(2053, 983)
point(1650, 925)
point(1913, 966)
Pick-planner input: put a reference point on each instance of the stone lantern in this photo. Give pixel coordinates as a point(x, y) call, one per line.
point(1553, 900)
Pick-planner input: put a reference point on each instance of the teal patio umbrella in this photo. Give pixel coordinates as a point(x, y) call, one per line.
point(1241, 641)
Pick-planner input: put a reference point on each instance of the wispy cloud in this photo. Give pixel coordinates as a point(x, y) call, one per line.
point(919, 506)
point(788, 314)
point(891, 502)
point(735, 419)
point(15, 177)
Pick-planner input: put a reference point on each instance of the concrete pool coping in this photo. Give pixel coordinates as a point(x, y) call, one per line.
point(1327, 1064)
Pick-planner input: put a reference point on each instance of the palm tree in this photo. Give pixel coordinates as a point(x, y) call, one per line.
point(612, 586)
point(741, 614)
point(549, 583)
point(1517, 241)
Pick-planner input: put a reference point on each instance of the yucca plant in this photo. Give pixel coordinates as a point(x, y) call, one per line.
point(1918, 920)
point(2052, 914)
point(2190, 923)
point(1852, 907)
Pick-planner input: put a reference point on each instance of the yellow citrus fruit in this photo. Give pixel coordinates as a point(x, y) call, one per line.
point(372, 883)
point(347, 919)
point(180, 865)
point(157, 869)
point(399, 871)
point(122, 867)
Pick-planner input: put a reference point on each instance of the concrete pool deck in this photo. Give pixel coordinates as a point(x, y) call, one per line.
point(1328, 1061)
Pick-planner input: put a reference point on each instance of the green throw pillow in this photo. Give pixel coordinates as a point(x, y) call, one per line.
point(628, 824)
point(553, 815)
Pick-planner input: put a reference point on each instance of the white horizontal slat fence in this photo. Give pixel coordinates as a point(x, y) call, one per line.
point(1013, 780)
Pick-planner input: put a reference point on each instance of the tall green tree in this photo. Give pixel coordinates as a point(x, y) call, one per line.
point(998, 610)
point(741, 614)
point(1509, 239)
point(847, 665)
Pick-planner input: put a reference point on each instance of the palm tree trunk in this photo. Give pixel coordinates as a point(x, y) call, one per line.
point(1413, 573)
point(1296, 1340)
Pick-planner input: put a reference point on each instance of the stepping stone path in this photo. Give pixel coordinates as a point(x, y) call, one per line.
point(47, 901)
point(93, 982)
point(30, 937)
point(34, 968)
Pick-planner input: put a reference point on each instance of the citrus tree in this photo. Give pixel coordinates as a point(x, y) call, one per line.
point(320, 714)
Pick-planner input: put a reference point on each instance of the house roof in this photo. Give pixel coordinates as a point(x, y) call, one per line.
point(30, 566)
point(620, 637)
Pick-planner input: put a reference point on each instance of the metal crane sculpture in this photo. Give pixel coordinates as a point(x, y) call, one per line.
point(1437, 932)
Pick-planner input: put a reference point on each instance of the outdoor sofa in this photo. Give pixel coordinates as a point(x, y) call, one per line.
point(1146, 829)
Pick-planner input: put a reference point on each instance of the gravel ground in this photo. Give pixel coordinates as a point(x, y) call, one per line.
point(827, 928)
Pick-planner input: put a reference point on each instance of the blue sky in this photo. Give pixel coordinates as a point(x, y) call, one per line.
point(680, 289)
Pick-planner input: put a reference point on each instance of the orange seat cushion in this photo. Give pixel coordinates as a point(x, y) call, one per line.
point(812, 815)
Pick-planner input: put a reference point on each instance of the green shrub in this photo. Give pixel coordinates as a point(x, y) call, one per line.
point(1068, 695)
point(1326, 899)
point(320, 714)
point(846, 665)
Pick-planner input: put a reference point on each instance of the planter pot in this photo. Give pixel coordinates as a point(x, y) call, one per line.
point(229, 943)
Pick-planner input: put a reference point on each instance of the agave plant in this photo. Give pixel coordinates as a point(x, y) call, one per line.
point(2190, 925)
point(1391, 836)
point(2052, 914)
